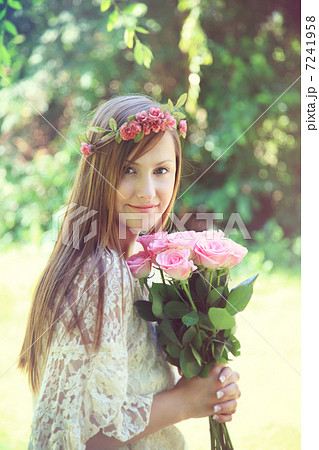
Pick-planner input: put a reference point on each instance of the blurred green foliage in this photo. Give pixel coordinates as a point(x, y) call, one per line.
point(236, 59)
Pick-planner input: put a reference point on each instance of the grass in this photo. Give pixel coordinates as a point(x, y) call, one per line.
point(268, 413)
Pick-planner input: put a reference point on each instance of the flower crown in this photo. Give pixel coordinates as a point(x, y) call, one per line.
point(140, 124)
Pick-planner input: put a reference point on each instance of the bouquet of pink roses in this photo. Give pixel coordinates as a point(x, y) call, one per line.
point(193, 306)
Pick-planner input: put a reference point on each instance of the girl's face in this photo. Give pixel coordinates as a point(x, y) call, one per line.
point(148, 182)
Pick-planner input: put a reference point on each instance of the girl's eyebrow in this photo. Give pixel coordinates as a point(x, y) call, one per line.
point(156, 164)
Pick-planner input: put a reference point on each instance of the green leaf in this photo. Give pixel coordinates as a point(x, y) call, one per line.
point(5, 55)
point(105, 5)
point(233, 345)
point(118, 138)
point(112, 20)
point(190, 318)
point(163, 339)
point(170, 105)
point(3, 13)
point(189, 335)
point(179, 114)
point(113, 124)
point(214, 295)
point(249, 281)
point(197, 341)
point(97, 129)
point(166, 328)
point(14, 4)
point(129, 37)
point(136, 9)
point(142, 54)
point(176, 310)
point(10, 27)
point(180, 102)
point(238, 298)
point(218, 351)
point(205, 370)
point(131, 118)
point(189, 365)
point(141, 30)
point(205, 322)
point(174, 350)
point(139, 137)
point(196, 354)
point(220, 318)
point(82, 137)
point(203, 335)
point(144, 309)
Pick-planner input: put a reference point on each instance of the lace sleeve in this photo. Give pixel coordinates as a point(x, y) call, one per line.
point(82, 394)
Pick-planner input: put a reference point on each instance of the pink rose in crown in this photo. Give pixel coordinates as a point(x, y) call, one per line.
point(170, 121)
point(86, 149)
point(183, 127)
point(140, 264)
point(155, 119)
point(143, 119)
point(175, 263)
point(129, 131)
point(156, 113)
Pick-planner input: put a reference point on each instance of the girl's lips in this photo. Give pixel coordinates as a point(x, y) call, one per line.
point(143, 208)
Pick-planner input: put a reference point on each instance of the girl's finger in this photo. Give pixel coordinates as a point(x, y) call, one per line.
point(233, 378)
point(223, 418)
point(227, 408)
point(225, 374)
point(231, 391)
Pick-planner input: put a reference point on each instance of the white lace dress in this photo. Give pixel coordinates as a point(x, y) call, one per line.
point(112, 389)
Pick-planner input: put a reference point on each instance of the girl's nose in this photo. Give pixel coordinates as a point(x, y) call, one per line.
point(146, 188)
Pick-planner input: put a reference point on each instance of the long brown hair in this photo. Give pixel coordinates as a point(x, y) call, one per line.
point(94, 190)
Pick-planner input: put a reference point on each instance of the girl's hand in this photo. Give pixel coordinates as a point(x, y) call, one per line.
point(199, 395)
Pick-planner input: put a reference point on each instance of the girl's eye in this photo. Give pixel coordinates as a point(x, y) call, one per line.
point(160, 168)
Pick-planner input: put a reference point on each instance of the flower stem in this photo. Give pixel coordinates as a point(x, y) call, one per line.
point(210, 280)
point(162, 275)
point(186, 288)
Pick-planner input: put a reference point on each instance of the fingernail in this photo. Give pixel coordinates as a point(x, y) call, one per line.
point(220, 394)
point(215, 417)
point(222, 378)
point(217, 408)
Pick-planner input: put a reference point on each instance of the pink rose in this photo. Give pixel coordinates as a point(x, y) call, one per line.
point(183, 127)
point(182, 239)
point(155, 247)
point(146, 128)
point(86, 149)
point(175, 263)
point(128, 132)
point(142, 116)
point(170, 121)
point(140, 264)
point(146, 239)
point(237, 253)
point(156, 113)
point(135, 127)
point(213, 254)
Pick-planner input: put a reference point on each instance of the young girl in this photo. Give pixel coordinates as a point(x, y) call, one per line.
point(98, 377)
